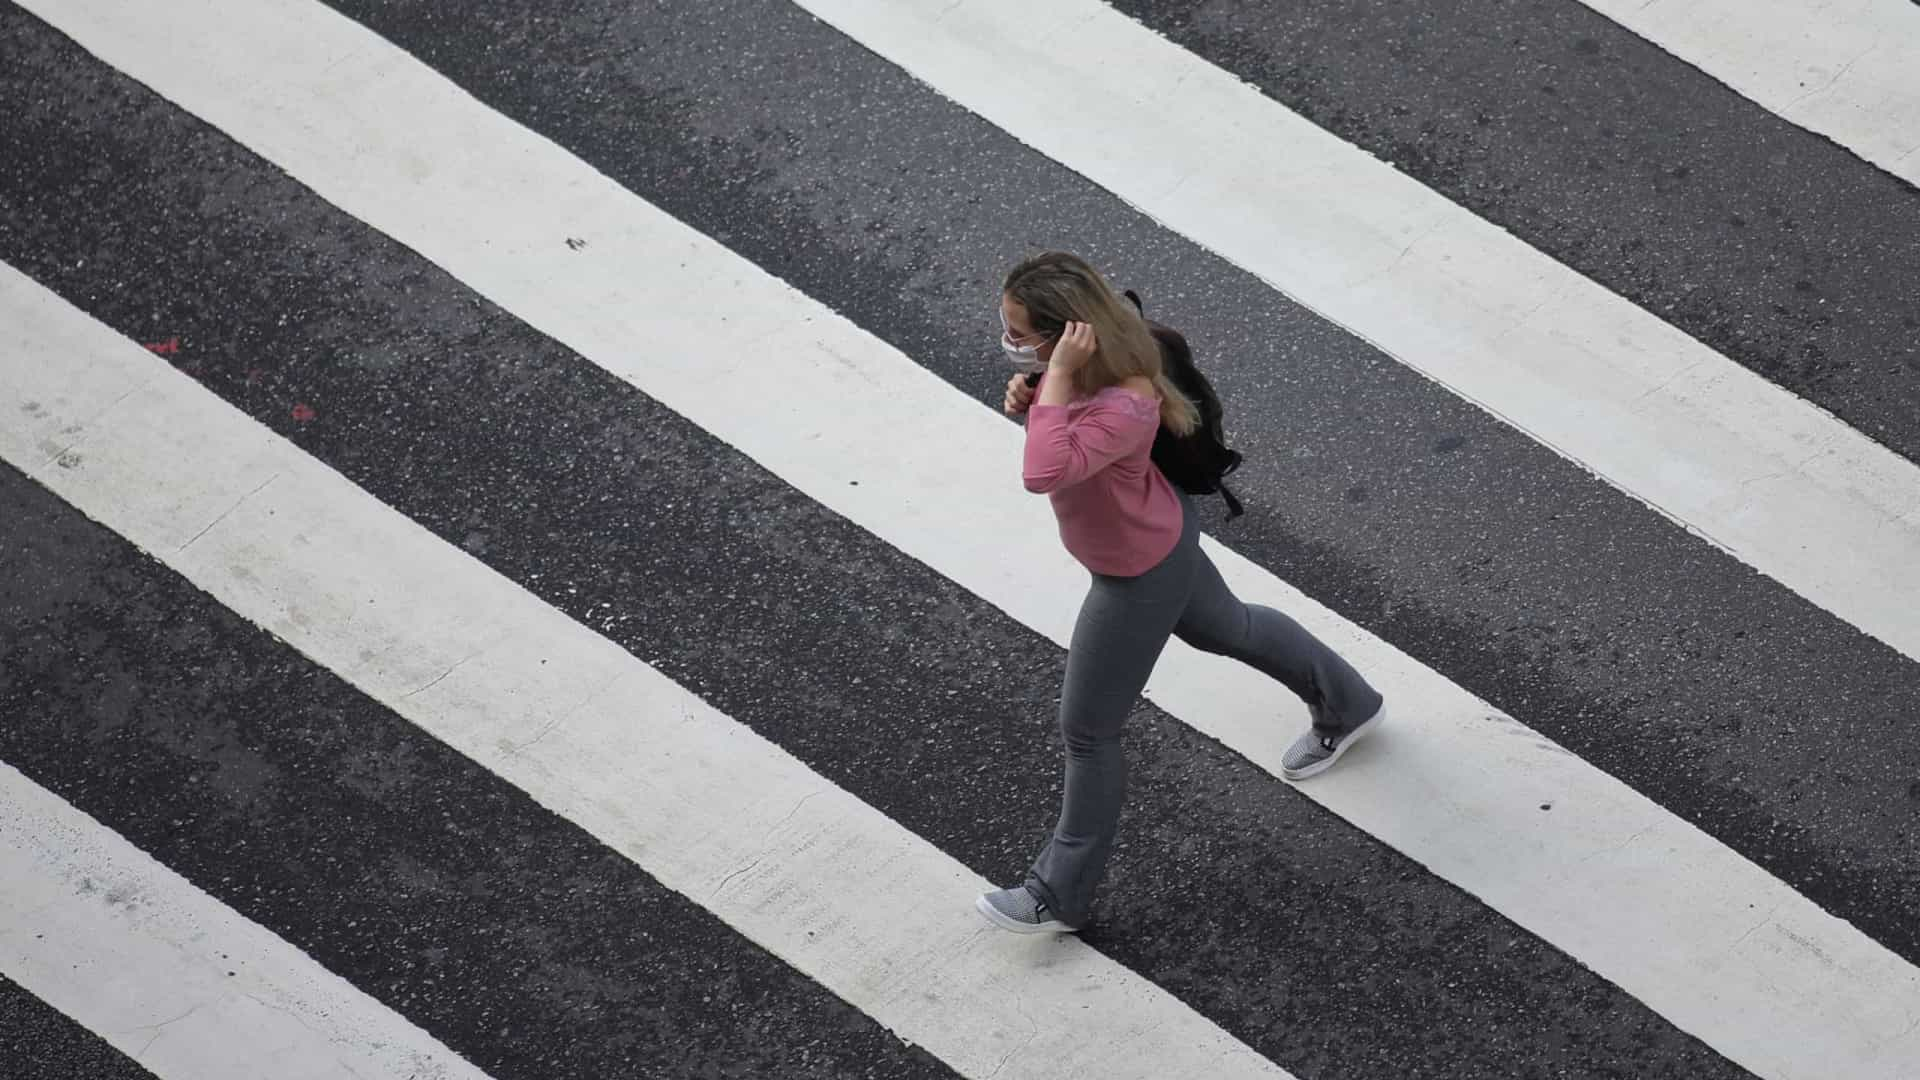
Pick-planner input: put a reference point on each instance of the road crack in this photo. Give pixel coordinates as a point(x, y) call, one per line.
point(1020, 1003)
point(765, 841)
point(438, 679)
point(228, 512)
point(160, 1028)
point(1837, 76)
point(548, 728)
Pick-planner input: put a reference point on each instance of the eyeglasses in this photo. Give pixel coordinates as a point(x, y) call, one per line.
point(1007, 334)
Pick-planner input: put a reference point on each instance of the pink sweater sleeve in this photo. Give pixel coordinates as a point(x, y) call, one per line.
point(1060, 453)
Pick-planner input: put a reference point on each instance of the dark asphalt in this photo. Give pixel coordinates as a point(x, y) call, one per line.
point(1322, 949)
point(38, 1042)
point(491, 923)
point(1671, 665)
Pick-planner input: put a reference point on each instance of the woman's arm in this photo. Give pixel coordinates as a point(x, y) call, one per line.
point(1060, 454)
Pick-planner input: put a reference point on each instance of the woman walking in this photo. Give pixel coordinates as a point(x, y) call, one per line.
point(1090, 430)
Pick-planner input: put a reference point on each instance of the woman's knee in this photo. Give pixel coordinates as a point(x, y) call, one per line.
point(1221, 636)
point(1082, 742)
point(1091, 731)
point(1206, 643)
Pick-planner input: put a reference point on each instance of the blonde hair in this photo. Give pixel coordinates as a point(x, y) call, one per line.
point(1057, 288)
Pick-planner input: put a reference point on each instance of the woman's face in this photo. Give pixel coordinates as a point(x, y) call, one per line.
point(1020, 331)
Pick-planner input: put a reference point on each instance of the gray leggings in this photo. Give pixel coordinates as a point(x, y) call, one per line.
point(1123, 626)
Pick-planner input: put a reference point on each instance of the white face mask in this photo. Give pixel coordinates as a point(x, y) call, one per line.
point(1023, 357)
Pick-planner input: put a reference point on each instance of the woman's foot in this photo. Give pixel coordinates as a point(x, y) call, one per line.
point(1019, 910)
point(1316, 751)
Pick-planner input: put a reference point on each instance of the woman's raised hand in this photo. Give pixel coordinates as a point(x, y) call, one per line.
point(1076, 345)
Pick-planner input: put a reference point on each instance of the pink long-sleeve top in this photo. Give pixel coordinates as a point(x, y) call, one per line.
point(1118, 515)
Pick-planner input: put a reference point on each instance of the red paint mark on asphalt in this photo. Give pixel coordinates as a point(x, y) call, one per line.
point(254, 375)
point(167, 347)
point(303, 412)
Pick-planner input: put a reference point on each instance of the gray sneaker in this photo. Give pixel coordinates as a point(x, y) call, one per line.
point(1315, 752)
point(1018, 910)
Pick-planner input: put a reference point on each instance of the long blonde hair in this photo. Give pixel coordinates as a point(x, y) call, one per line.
point(1057, 288)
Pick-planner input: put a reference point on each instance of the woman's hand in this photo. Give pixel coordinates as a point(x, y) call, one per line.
point(1075, 346)
point(1019, 395)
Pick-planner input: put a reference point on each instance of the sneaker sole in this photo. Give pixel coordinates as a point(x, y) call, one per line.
point(1000, 920)
point(1366, 728)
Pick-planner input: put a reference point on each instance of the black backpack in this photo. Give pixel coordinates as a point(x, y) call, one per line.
point(1197, 463)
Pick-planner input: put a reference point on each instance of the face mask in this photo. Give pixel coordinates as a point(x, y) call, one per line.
point(1023, 357)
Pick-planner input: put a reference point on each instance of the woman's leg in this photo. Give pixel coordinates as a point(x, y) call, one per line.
point(1216, 621)
point(1123, 626)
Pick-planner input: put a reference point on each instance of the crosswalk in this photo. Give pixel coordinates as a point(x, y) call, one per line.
point(126, 946)
point(561, 607)
point(1581, 370)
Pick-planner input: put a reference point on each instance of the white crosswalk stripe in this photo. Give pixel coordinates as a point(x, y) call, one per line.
point(1719, 947)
